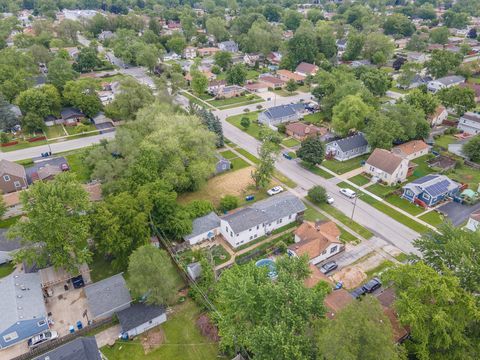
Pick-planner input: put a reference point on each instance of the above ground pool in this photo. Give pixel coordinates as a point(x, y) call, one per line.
point(271, 266)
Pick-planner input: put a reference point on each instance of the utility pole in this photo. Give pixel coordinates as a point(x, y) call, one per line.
point(354, 205)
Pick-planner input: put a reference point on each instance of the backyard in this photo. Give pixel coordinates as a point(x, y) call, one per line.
point(235, 101)
point(342, 167)
point(290, 142)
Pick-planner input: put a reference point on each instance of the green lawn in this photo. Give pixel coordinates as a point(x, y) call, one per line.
point(344, 219)
point(183, 340)
point(6, 269)
point(380, 190)
point(405, 205)
point(249, 156)
point(378, 270)
point(312, 214)
point(341, 167)
point(254, 128)
point(77, 165)
point(290, 142)
point(240, 100)
point(220, 255)
point(433, 218)
point(359, 180)
point(444, 140)
point(422, 169)
point(284, 93)
point(228, 154)
point(23, 145)
point(74, 130)
point(315, 118)
point(402, 257)
point(238, 163)
point(9, 222)
point(466, 174)
point(101, 268)
point(196, 101)
point(54, 131)
point(316, 170)
point(282, 178)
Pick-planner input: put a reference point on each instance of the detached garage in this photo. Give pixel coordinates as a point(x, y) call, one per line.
point(139, 318)
point(204, 228)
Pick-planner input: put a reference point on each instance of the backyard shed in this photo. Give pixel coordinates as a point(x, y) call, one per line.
point(139, 318)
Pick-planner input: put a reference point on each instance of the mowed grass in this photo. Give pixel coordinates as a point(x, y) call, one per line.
point(315, 118)
point(247, 155)
point(342, 167)
point(182, 340)
point(54, 131)
point(344, 219)
point(77, 165)
point(359, 180)
point(253, 129)
point(316, 170)
point(240, 100)
point(6, 269)
point(101, 268)
point(290, 142)
point(433, 218)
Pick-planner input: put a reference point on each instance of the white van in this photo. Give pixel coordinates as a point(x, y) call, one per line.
point(349, 193)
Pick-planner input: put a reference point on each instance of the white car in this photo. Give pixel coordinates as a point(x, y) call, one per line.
point(348, 192)
point(275, 190)
point(48, 335)
point(330, 200)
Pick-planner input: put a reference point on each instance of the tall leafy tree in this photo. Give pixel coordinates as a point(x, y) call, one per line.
point(41, 101)
point(312, 151)
point(199, 82)
point(82, 95)
point(60, 71)
point(237, 74)
point(350, 114)
point(223, 59)
point(461, 99)
point(262, 175)
point(56, 228)
point(423, 100)
point(381, 131)
point(8, 119)
point(87, 60)
point(442, 62)
point(472, 149)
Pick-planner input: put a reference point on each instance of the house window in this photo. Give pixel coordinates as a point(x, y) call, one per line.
point(279, 221)
point(41, 323)
point(251, 237)
point(255, 236)
point(324, 252)
point(333, 249)
point(231, 233)
point(17, 184)
point(236, 235)
point(10, 337)
point(258, 226)
point(150, 321)
point(6, 177)
point(290, 216)
point(250, 229)
point(426, 196)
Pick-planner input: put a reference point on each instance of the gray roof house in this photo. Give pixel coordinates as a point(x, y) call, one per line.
point(230, 46)
point(139, 318)
point(22, 308)
point(7, 247)
point(347, 148)
point(194, 270)
point(107, 296)
point(445, 82)
point(469, 123)
point(82, 348)
point(203, 228)
point(261, 218)
point(281, 114)
point(222, 164)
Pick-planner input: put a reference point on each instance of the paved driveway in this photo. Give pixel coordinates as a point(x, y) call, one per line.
point(458, 213)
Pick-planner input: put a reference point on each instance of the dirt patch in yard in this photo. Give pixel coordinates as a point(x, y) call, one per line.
point(351, 277)
point(152, 339)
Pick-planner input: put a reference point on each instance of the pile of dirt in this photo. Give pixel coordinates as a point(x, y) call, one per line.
point(152, 339)
point(351, 277)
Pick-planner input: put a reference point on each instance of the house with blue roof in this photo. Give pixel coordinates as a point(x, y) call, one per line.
point(430, 189)
point(22, 308)
point(281, 114)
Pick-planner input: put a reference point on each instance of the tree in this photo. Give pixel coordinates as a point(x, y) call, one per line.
point(454, 19)
point(40, 53)
point(398, 24)
point(148, 56)
point(355, 44)
point(198, 208)
point(367, 329)
point(410, 121)
point(223, 59)
point(177, 44)
point(3, 207)
point(213, 124)
point(216, 26)
point(60, 71)
point(67, 30)
point(291, 86)
point(132, 97)
point(268, 317)
point(376, 80)
point(461, 99)
point(417, 43)
point(301, 47)
point(378, 48)
point(8, 119)
point(237, 74)
point(56, 228)
point(472, 149)
point(87, 60)
point(381, 131)
point(443, 62)
point(312, 151)
point(422, 100)
point(82, 95)
point(318, 195)
point(439, 35)
point(262, 175)
point(350, 114)
point(315, 15)
point(228, 202)
point(199, 82)
point(31, 123)
point(42, 101)
point(151, 274)
point(437, 310)
point(245, 122)
point(291, 19)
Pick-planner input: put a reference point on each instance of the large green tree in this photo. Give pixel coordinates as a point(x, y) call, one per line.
point(56, 227)
point(423, 100)
point(262, 175)
point(8, 119)
point(381, 131)
point(378, 48)
point(199, 82)
point(41, 101)
point(461, 99)
point(442, 62)
point(237, 74)
point(87, 60)
point(350, 114)
point(472, 149)
point(60, 71)
point(82, 95)
point(312, 151)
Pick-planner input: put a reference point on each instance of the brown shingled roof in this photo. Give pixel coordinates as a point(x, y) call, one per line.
point(11, 168)
point(410, 147)
point(384, 160)
point(302, 129)
point(315, 238)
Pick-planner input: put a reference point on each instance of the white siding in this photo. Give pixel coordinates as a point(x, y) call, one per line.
point(147, 326)
point(472, 224)
point(331, 250)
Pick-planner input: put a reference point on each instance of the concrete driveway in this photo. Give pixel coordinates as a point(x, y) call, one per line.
point(458, 213)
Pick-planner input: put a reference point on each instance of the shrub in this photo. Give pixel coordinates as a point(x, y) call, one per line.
point(282, 247)
point(282, 129)
point(317, 194)
point(228, 202)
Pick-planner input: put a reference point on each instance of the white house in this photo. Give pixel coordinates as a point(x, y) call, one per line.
point(261, 218)
point(204, 228)
point(190, 52)
point(445, 82)
point(139, 318)
point(412, 149)
point(473, 222)
point(469, 123)
point(386, 166)
point(439, 116)
point(171, 56)
point(281, 114)
point(347, 148)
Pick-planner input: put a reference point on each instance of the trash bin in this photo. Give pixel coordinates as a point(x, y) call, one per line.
point(79, 325)
point(71, 329)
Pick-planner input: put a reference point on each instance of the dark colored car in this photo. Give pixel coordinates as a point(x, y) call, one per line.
point(64, 167)
point(372, 285)
point(78, 282)
point(358, 292)
point(328, 267)
point(287, 156)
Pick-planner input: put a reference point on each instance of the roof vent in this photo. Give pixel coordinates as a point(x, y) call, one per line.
point(19, 296)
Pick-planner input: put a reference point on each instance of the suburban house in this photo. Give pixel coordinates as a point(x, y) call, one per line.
point(107, 296)
point(23, 312)
point(473, 221)
point(274, 58)
point(190, 52)
point(204, 228)
point(222, 164)
point(171, 56)
point(439, 116)
point(281, 114)
point(271, 81)
point(301, 131)
point(84, 348)
point(412, 149)
point(229, 46)
point(12, 204)
point(347, 148)
point(257, 87)
point(12, 177)
point(387, 167)
point(306, 69)
point(417, 81)
point(287, 75)
point(105, 35)
point(341, 45)
point(7, 247)
point(252, 59)
point(318, 241)
point(430, 189)
point(139, 318)
point(71, 116)
point(445, 82)
point(230, 91)
point(469, 123)
point(261, 218)
point(208, 51)
point(45, 169)
point(216, 86)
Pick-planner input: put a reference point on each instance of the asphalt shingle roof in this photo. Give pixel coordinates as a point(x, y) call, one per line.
point(281, 111)
point(203, 224)
point(83, 348)
point(138, 314)
point(352, 142)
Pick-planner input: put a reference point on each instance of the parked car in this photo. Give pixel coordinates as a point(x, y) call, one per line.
point(41, 338)
point(275, 190)
point(348, 192)
point(358, 292)
point(330, 200)
point(328, 267)
point(372, 285)
point(287, 156)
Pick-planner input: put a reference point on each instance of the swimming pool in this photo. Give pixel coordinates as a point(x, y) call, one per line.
point(272, 273)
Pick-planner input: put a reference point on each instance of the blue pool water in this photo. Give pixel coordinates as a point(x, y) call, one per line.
point(271, 266)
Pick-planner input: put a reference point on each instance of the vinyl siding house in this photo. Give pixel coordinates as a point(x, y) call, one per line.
point(412, 149)
point(445, 82)
point(386, 167)
point(222, 164)
point(230, 46)
point(23, 313)
point(473, 223)
point(347, 148)
point(83, 348)
point(261, 218)
point(439, 116)
point(469, 123)
point(12, 177)
point(139, 318)
point(430, 190)
point(281, 114)
point(204, 228)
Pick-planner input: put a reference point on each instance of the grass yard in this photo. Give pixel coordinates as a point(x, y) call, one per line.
point(466, 174)
point(238, 163)
point(220, 255)
point(312, 214)
point(405, 205)
point(346, 237)
point(6, 269)
point(77, 165)
point(290, 142)
point(74, 130)
point(378, 270)
point(195, 100)
point(284, 93)
point(359, 180)
point(444, 140)
point(23, 145)
point(342, 167)
point(240, 100)
point(344, 219)
point(254, 128)
point(304, 88)
point(249, 156)
point(182, 340)
point(287, 181)
point(228, 154)
point(316, 170)
point(422, 169)
point(101, 268)
point(315, 118)
point(380, 190)
point(9, 222)
point(55, 131)
point(433, 218)
point(402, 257)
